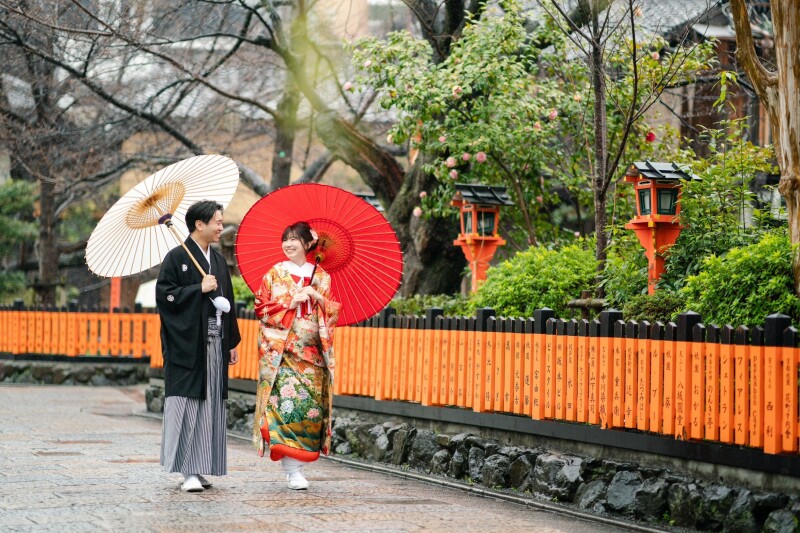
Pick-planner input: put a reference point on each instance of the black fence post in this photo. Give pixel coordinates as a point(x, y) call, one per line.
point(687, 321)
point(713, 334)
point(483, 315)
point(790, 337)
point(384, 316)
point(699, 333)
point(540, 318)
point(608, 318)
point(645, 330)
point(774, 326)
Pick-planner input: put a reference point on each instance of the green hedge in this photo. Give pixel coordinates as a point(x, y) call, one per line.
point(537, 278)
point(745, 285)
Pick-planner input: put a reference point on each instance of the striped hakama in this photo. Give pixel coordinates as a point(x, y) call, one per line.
point(194, 431)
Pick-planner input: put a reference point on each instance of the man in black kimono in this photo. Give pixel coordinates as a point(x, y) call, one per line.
point(199, 336)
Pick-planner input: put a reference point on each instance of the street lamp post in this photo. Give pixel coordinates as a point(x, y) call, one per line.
point(658, 189)
point(480, 214)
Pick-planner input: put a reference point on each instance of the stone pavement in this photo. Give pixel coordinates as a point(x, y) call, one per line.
point(79, 459)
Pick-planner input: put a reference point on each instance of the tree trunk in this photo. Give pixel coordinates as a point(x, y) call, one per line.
point(599, 179)
point(786, 123)
point(779, 91)
point(285, 131)
point(432, 263)
point(377, 167)
point(48, 247)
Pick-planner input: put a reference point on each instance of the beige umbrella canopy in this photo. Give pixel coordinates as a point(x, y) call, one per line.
point(133, 235)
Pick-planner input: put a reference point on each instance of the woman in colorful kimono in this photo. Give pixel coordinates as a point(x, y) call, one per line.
point(295, 389)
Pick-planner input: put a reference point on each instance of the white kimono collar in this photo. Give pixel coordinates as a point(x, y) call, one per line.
point(300, 271)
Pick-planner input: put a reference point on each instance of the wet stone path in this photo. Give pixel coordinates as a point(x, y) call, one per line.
point(80, 459)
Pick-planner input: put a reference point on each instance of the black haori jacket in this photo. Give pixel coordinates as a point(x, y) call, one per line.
point(184, 312)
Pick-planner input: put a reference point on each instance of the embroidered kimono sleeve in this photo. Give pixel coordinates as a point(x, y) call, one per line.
point(271, 305)
point(328, 317)
point(330, 307)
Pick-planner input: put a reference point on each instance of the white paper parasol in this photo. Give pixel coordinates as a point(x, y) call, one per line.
point(133, 235)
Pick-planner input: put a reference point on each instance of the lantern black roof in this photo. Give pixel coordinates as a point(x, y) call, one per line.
point(663, 171)
point(483, 194)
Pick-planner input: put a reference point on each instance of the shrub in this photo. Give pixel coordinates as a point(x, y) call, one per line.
point(452, 304)
point(241, 292)
point(746, 284)
point(625, 275)
point(712, 210)
point(538, 278)
point(661, 306)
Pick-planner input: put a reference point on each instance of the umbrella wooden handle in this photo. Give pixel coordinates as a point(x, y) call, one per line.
point(169, 224)
point(193, 259)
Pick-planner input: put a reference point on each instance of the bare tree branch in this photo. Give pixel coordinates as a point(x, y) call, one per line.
point(761, 78)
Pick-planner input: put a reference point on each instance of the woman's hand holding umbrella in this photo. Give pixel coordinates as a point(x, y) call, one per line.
point(313, 294)
point(298, 299)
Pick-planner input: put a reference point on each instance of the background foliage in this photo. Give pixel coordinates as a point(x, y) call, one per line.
point(718, 212)
point(16, 227)
point(536, 278)
point(746, 284)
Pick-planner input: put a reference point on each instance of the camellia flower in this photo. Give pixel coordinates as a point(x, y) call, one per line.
point(537, 126)
point(539, 199)
point(457, 90)
point(553, 114)
point(442, 139)
point(650, 137)
point(367, 63)
point(577, 234)
point(417, 211)
point(466, 156)
point(423, 194)
point(480, 157)
point(450, 162)
point(347, 86)
point(655, 55)
point(454, 174)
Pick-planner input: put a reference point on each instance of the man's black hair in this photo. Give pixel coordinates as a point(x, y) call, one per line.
point(203, 211)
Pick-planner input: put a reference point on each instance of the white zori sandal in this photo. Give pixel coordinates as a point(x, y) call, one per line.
point(294, 473)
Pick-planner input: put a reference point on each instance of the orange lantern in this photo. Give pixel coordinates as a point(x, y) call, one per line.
point(658, 190)
point(480, 214)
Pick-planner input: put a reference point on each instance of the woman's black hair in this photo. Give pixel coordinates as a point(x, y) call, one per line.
point(203, 211)
point(302, 231)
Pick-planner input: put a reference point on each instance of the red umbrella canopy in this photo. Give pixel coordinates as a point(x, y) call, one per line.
point(356, 245)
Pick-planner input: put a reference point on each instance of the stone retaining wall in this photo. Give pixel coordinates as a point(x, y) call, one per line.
point(98, 374)
point(596, 484)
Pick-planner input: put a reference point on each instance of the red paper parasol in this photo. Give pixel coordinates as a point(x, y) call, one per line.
point(356, 245)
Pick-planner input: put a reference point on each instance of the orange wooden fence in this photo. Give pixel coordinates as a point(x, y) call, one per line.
point(687, 380)
point(44, 332)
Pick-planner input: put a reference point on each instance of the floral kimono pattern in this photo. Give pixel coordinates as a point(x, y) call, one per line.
point(295, 378)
